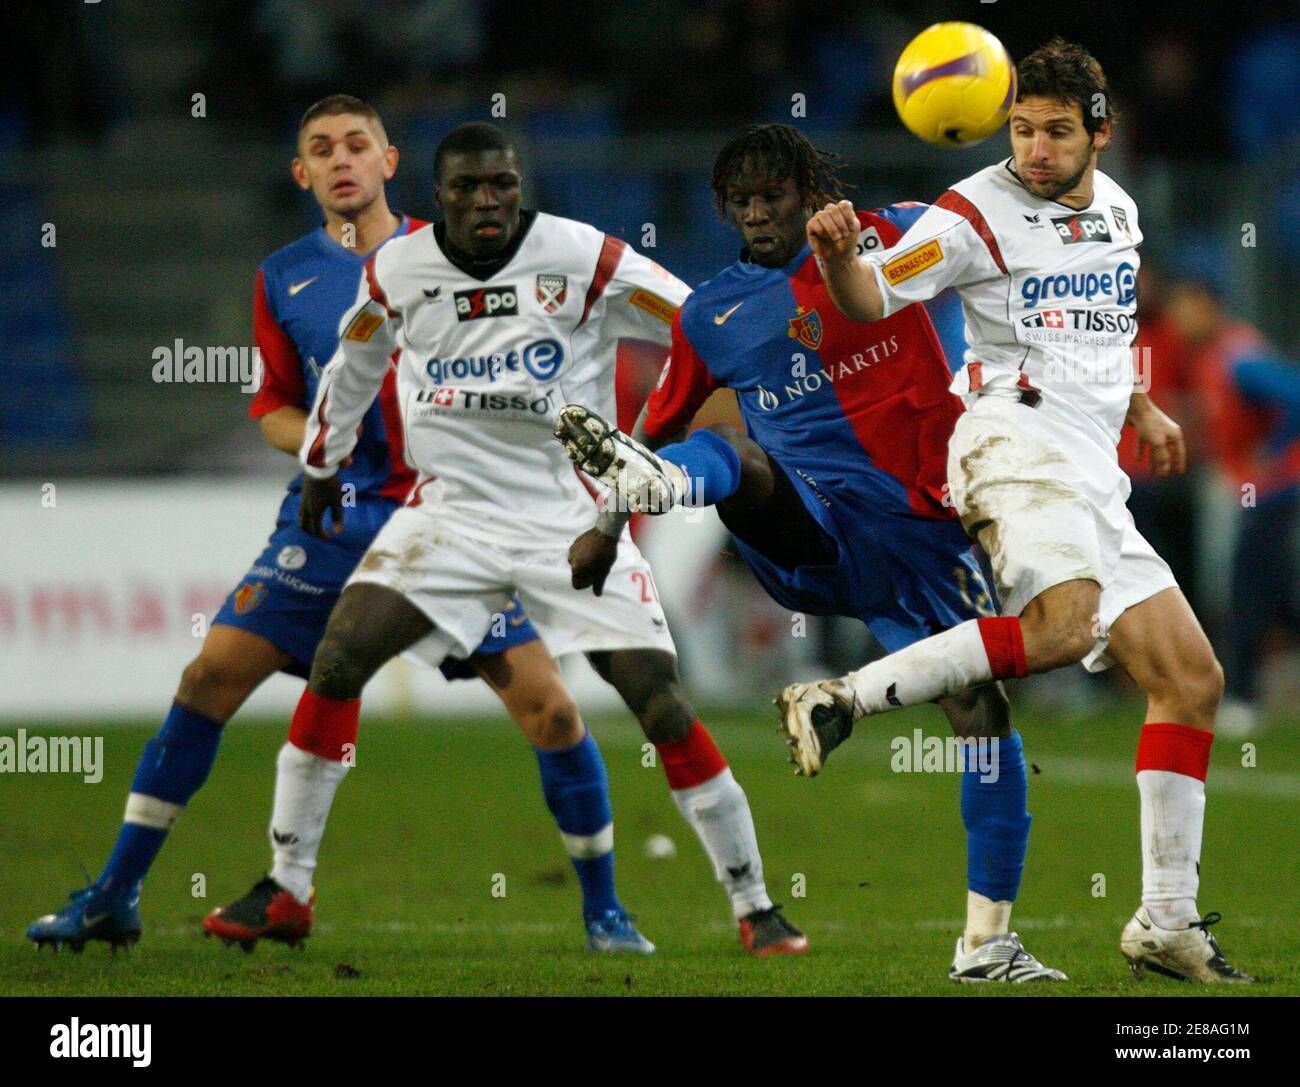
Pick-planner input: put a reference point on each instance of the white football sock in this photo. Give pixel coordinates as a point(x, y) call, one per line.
point(984, 918)
point(718, 812)
point(943, 664)
point(304, 791)
point(1173, 817)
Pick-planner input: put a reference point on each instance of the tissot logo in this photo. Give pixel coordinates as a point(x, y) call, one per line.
point(1086, 226)
point(487, 302)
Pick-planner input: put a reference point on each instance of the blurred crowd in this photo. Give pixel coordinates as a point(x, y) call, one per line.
point(1206, 79)
point(1237, 398)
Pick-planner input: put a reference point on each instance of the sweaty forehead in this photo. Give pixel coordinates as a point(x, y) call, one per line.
point(478, 165)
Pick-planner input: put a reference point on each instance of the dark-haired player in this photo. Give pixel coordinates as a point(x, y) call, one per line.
point(834, 493)
point(1042, 248)
point(274, 619)
point(499, 313)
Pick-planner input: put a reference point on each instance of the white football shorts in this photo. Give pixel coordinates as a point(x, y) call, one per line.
point(1047, 503)
point(462, 580)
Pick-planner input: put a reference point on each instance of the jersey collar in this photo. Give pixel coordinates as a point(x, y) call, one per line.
point(483, 270)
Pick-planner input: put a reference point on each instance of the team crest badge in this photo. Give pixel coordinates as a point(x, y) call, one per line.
point(1121, 220)
point(806, 328)
point(248, 596)
point(552, 291)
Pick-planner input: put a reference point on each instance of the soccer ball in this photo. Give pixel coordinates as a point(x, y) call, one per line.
point(954, 84)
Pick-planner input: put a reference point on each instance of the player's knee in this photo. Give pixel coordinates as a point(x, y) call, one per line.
point(336, 673)
point(205, 676)
point(551, 719)
point(1059, 641)
point(983, 711)
point(666, 716)
point(1195, 691)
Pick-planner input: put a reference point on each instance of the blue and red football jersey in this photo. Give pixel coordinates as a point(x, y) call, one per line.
point(858, 409)
point(300, 294)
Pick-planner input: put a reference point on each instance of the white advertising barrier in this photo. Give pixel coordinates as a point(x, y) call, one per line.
point(106, 591)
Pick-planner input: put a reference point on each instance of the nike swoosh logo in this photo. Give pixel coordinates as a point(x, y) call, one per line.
point(299, 286)
point(91, 922)
point(721, 318)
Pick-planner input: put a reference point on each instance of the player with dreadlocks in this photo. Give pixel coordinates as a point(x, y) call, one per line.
point(835, 492)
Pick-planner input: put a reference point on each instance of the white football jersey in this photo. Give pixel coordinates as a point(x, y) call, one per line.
point(1048, 293)
point(486, 366)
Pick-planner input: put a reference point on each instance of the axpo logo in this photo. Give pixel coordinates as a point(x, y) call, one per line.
point(1090, 286)
point(541, 358)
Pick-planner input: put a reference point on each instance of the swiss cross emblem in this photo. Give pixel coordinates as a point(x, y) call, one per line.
point(552, 291)
point(444, 397)
point(806, 328)
point(1054, 318)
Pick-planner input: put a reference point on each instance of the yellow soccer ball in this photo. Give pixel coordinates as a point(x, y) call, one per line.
point(954, 84)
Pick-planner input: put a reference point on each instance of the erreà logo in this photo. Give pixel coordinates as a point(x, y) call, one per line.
point(1086, 226)
point(486, 302)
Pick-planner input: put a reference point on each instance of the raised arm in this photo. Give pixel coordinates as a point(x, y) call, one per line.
point(833, 235)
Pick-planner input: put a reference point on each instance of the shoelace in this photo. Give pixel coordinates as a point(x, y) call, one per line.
point(1212, 918)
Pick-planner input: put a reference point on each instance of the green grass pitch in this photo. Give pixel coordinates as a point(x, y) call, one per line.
point(435, 810)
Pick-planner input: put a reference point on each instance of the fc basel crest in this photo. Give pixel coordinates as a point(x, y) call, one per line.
point(552, 291)
point(248, 596)
point(806, 328)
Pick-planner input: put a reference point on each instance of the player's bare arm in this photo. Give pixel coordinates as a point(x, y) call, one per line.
point(284, 428)
point(1159, 433)
point(833, 235)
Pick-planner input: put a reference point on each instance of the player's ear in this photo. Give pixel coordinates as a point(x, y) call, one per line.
point(1101, 138)
point(299, 171)
point(391, 156)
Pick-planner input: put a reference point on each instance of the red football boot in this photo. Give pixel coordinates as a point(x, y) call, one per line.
point(767, 932)
point(267, 912)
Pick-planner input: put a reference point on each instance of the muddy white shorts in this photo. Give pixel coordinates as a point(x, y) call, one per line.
point(463, 580)
point(1047, 503)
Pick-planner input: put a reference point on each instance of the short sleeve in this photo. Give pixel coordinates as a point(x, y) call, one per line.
point(642, 298)
point(685, 384)
point(281, 383)
point(948, 245)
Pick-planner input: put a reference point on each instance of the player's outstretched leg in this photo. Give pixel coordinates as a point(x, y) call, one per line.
point(1161, 645)
point(1055, 629)
point(706, 793)
point(574, 783)
point(175, 763)
point(995, 812)
point(369, 625)
point(643, 481)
